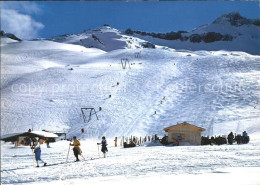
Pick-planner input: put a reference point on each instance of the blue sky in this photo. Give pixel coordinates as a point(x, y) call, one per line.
point(45, 19)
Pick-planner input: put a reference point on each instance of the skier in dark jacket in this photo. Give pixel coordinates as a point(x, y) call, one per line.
point(230, 138)
point(37, 151)
point(103, 146)
point(245, 138)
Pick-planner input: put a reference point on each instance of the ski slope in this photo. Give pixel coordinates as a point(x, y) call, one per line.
point(44, 84)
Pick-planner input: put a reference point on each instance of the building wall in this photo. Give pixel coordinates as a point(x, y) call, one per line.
point(187, 133)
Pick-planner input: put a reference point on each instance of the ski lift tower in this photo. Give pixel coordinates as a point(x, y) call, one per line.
point(91, 110)
point(124, 62)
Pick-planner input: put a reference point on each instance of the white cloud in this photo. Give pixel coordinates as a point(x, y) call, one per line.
point(25, 7)
point(15, 19)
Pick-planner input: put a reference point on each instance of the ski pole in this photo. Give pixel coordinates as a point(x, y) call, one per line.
point(68, 154)
point(83, 157)
point(98, 151)
point(33, 157)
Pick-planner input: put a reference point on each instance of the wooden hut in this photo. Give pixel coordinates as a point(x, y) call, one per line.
point(187, 132)
point(21, 138)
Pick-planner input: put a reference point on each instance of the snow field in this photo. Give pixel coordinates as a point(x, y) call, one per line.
point(131, 165)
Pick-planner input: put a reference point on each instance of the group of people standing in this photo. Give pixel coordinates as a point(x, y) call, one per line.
point(230, 139)
point(136, 141)
point(240, 139)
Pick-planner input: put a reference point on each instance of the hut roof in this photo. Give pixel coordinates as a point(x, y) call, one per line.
point(30, 134)
point(44, 134)
point(11, 135)
point(184, 124)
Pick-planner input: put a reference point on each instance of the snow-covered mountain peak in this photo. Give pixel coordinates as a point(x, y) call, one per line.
point(233, 18)
point(102, 29)
point(105, 38)
point(233, 24)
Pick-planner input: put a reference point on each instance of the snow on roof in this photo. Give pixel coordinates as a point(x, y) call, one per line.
point(11, 135)
point(44, 134)
point(34, 133)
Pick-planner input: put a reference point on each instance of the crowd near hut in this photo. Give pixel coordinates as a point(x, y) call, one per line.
point(186, 134)
point(229, 139)
point(134, 141)
point(179, 134)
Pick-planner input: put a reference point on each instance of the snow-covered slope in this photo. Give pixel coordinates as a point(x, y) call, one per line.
point(6, 40)
point(44, 84)
point(245, 35)
point(9, 35)
point(104, 38)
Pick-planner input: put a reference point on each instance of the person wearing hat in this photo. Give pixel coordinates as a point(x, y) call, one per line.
point(76, 149)
point(37, 150)
point(103, 146)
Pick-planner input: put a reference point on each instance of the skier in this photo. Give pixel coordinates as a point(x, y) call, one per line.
point(48, 143)
point(37, 151)
point(230, 138)
point(76, 149)
point(103, 146)
point(115, 141)
point(82, 130)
